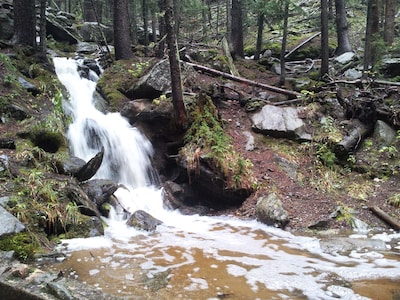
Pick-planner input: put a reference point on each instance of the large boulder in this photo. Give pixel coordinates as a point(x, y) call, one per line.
point(209, 186)
point(157, 81)
point(391, 67)
point(270, 211)
point(383, 134)
point(60, 26)
point(154, 83)
point(283, 122)
point(100, 190)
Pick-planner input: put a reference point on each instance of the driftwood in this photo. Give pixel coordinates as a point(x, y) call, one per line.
point(352, 140)
point(385, 217)
point(302, 44)
point(291, 94)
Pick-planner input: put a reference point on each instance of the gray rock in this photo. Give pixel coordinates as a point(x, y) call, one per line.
point(4, 163)
point(143, 221)
point(71, 165)
point(345, 58)
point(30, 87)
point(60, 33)
point(144, 110)
point(391, 66)
point(4, 200)
point(290, 167)
point(250, 141)
point(270, 211)
point(383, 134)
point(156, 82)
point(99, 190)
point(9, 224)
point(352, 74)
point(344, 244)
point(280, 122)
point(86, 48)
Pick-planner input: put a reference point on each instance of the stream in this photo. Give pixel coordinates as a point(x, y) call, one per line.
point(199, 257)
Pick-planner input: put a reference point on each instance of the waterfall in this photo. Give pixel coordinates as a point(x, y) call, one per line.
point(127, 152)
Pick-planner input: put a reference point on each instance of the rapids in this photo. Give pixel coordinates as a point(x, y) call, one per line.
point(198, 257)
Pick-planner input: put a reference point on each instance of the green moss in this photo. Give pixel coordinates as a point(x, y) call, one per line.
point(206, 139)
point(117, 80)
point(24, 245)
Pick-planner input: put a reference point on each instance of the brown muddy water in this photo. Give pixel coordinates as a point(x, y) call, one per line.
point(228, 259)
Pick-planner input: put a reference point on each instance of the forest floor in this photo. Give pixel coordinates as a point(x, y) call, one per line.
point(309, 191)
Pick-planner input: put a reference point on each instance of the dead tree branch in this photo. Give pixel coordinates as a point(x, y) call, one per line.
point(290, 94)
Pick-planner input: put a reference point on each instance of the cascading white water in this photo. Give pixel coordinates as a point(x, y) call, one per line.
point(203, 257)
point(127, 152)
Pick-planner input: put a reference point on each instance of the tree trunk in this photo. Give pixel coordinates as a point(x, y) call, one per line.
point(154, 25)
point(229, 21)
point(385, 217)
point(204, 17)
point(145, 14)
point(342, 28)
point(390, 13)
point(134, 25)
point(237, 28)
point(24, 23)
point(122, 39)
point(173, 54)
point(162, 30)
point(324, 39)
point(89, 14)
point(260, 27)
point(284, 39)
point(42, 31)
point(370, 53)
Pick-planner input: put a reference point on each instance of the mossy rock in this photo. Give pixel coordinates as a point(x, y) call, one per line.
point(24, 245)
point(115, 82)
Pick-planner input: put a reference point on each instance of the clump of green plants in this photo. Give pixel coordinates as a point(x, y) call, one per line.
point(360, 191)
point(23, 244)
point(327, 136)
point(325, 154)
point(206, 141)
point(394, 200)
point(39, 201)
point(138, 68)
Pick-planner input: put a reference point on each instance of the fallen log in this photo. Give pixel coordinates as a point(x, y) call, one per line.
point(290, 94)
point(302, 44)
point(352, 140)
point(385, 217)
